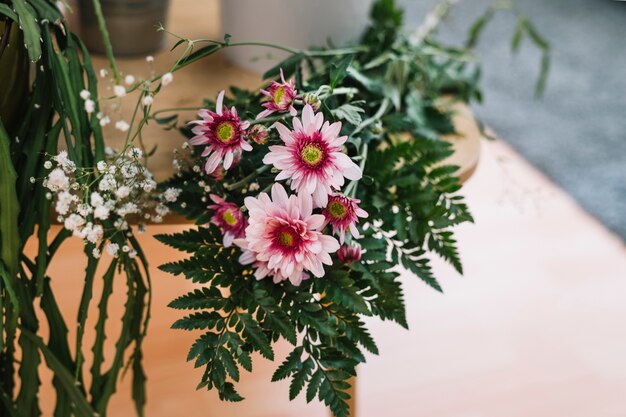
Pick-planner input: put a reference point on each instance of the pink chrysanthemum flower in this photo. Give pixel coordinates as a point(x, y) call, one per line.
point(349, 254)
point(284, 238)
point(280, 97)
point(343, 213)
point(312, 157)
point(223, 134)
point(228, 218)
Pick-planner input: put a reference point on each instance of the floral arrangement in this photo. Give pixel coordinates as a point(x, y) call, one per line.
point(310, 195)
point(321, 187)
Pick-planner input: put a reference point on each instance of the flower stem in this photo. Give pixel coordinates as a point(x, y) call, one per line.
point(106, 40)
point(351, 188)
point(244, 181)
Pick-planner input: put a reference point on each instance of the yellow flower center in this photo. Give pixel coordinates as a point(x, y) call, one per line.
point(337, 210)
point(286, 238)
point(278, 95)
point(225, 132)
point(229, 218)
point(312, 155)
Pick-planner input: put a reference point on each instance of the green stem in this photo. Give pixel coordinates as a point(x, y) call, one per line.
point(244, 181)
point(351, 188)
point(106, 40)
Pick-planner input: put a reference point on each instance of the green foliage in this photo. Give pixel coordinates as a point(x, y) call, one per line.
point(394, 96)
point(51, 111)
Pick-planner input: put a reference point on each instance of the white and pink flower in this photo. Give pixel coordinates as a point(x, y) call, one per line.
point(222, 132)
point(228, 218)
point(284, 239)
point(343, 213)
point(312, 156)
point(280, 97)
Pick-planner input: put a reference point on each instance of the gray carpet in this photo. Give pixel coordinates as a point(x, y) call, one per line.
point(576, 134)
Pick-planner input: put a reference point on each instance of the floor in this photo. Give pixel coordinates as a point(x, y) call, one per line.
point(535, 328)
point(575, 133)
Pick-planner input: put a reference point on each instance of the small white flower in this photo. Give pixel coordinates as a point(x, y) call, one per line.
point(128, 208)
point(94, 234)
point(33, 180)
point(161, 209)
point(121, 224)
point(104, 72)
point(122, 126)
point(105, 121)
point(107, 183)
point(254, 186)
point(119, 91)
point(102, 166)
point(134, 153)
point(101, 212)
point(149, 186)
point(85, 94)
point(112, 249)
point(73, 222)
point(84, 210)
point(90, 106)
point(96, 199)
point(122, 192)
point(129, 171)
point(148, 100)
point(132, 253)
point(57, 180)
point(64, 201)
point(47, 165)
point(129, 79)
point(149, 59)
point(167, 79)
point(125, 248)
point(66, 163)
point(96, 253)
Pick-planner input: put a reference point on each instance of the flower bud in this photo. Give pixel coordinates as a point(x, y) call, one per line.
point(312, 100)
point(349, 254)
point(258, 134)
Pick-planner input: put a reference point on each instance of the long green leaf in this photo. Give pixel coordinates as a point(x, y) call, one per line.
point(32, 31)
point(9, 208)
point(66, 379)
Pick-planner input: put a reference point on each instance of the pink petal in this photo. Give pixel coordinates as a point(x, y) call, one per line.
point(228, 159)
point(264, 114)
point(228, 239)
point(350, 169)
point(285, 133)
point(320, 197)
point(315, 221)
point(279, 195)
point(212, 163)
point(219, 104)
point(198, 140)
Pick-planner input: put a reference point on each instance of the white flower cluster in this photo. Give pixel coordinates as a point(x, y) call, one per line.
point(96, 203)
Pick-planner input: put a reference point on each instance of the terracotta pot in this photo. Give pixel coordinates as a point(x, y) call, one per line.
point(132, 25)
